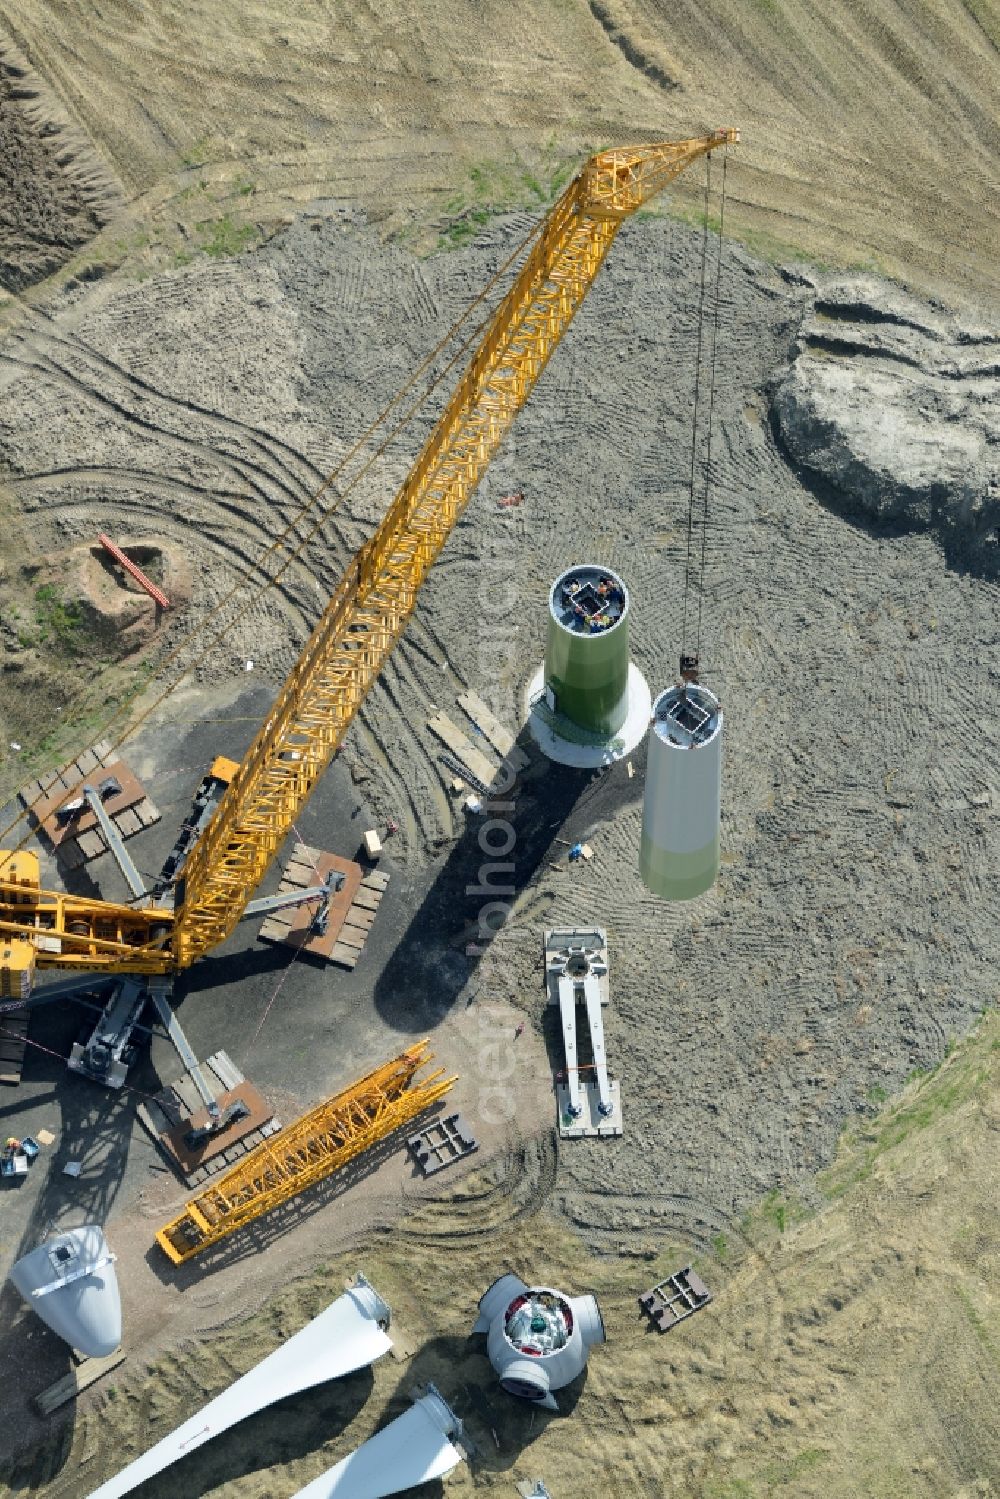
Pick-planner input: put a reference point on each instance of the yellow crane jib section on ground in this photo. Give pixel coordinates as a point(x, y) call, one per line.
point(367, 614)
point(307, 1151)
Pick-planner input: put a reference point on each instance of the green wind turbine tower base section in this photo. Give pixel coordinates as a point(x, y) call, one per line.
point(588, 705)
point(586, 654)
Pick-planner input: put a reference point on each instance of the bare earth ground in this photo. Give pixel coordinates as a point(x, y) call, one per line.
point(54, 192)
point(853, 1353)
point(871, 132)
point(849, 938)
point(845, 943)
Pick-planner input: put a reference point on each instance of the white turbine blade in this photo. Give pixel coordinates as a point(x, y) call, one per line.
point(411, 1450)
point(345, 1337)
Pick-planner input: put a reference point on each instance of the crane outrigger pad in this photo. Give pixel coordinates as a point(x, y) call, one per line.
point(58, 810)
point(350, 911)
point(177, 1109)
point(13, 1042)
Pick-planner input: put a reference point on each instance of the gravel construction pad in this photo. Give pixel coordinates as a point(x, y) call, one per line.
point(848, 937)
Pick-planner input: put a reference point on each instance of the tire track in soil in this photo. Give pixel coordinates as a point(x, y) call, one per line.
point(513, 1187)
point(45, 333)
point(271, 446)
point(766, 1029)
point(390, 726)
point(118, 389)
point(388, 790)
point(254, 476)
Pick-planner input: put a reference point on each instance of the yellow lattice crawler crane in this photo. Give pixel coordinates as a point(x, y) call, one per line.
point(367, 614)
point(312, 1148)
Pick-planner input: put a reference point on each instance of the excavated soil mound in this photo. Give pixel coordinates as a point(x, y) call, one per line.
point(891, 404)
point(116, 610)
point(54, 193)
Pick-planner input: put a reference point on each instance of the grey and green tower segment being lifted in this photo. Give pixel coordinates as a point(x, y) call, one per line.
point(586, 656)
point(679, 853)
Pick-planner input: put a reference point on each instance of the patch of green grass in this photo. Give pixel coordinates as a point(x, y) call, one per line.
point(774, 1208)
point(877, 1094)
point(773, 1214)
point(965, 1070)
point(560, 177)
point(464, 228)
point(777, 1212)
point(244, 186)
point(224, 236)
point(721, 1246)
point(196, 155)
point(787, 1470)
point(86, 724)
point(766, 246)
point(978, 1325)
point(688, 213)
point(57, 618)
point(494, 187)
point(125, 245)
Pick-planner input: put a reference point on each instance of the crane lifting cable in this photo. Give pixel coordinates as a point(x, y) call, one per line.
point(708, 478)
point(690, 660)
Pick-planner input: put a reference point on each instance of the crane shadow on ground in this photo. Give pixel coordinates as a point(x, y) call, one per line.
point(482, 885)
point(93, 1128)
point(227, 967)
point(498, 1427)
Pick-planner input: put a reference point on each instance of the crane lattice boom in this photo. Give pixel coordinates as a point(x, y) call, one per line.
point(369, 610)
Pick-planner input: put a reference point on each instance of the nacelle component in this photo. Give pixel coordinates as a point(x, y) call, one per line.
point(70, 1282)
point(537, 1339)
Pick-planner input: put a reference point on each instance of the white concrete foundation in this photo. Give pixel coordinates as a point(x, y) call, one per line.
point(576, 747)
